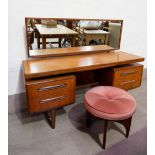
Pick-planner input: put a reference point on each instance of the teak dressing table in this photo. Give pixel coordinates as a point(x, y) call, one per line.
point(51, 82)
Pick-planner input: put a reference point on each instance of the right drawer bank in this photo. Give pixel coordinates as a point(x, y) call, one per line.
point(125, 77)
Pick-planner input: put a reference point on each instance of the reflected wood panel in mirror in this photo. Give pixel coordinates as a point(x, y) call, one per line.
point(70, 51)
point(51, 33)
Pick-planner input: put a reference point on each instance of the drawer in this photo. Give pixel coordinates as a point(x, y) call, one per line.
point(125, 76)
point(128, 74)
point(127, 84)
point(43, 95)
point(128, 78)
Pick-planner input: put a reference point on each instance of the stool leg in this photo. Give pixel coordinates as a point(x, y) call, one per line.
point(88, 119)
point(127, 124)
point(105, 133)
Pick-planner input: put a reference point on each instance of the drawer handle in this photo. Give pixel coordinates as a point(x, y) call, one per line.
point(124, 83)
point(128, 73)
point(52, 99)
point(52, 87)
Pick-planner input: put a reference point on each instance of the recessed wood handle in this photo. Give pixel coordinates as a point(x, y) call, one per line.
point(52, 87)
point(52, 99)
point(128, 73)
point(124, 83)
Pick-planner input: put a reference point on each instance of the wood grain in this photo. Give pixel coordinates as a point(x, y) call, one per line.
point(59, 30)
point(129, 77)
point(70, 51)
point(70, 64)
point(48, 93)
point(126, 77)
point(69, 25)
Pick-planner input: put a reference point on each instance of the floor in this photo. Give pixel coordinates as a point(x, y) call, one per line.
point(34, 136)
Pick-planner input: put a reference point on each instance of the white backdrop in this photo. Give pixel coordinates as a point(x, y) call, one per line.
point(133, 12)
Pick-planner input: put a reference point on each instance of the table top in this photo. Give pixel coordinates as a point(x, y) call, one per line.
point(59, 30)
point(96, 32)
point(70, 51)
point(92, 31)
point(69, 64)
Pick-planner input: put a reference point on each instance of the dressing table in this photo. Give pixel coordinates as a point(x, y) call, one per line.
point(51, 81)
point(52, 74)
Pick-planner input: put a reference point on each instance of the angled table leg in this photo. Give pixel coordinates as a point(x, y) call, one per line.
point(51, 117)
point(60, 42)
point(38, 39)
point(73, 40)
point(43, 42)
point(106, 39)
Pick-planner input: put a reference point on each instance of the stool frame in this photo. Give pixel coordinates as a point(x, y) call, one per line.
point(126, 123)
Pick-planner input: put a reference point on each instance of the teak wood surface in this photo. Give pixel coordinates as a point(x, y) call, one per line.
point(59, 30)
point(125, 77)
point(70, 51)
point(96, 34)
point(70, 64)
point(45, 94)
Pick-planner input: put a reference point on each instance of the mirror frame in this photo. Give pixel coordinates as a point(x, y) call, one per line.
point(70, 19)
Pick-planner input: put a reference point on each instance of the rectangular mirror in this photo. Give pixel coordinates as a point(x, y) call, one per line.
point(51, 33)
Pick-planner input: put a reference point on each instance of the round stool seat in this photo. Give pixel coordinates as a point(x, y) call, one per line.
point(109, 103)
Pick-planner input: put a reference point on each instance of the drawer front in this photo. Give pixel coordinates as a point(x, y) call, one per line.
point(128, 78)
point(48, 94)
point(127, 74)
point(130, 84)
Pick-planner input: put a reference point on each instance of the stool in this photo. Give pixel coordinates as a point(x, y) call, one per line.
point(111, 104)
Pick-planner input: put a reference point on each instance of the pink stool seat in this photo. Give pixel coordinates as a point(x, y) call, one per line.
point(109, 103)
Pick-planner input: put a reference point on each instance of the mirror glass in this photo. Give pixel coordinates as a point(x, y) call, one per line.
point(49, 33)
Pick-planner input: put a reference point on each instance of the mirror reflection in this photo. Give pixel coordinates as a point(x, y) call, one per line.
point(48, 33)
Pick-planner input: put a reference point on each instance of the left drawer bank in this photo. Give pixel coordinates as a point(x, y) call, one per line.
point(45, 94)
point(48, 94)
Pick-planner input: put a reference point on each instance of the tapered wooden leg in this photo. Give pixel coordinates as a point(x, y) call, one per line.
point(52, 118)
point(105, 133)
point(43, 42)
point(127, 124)
point(73, 40)
point(88, 119)
point(106, 39)
point(38, 39)
point(60, 42)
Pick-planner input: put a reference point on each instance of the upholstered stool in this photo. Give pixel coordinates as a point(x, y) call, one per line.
point(111, 104)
